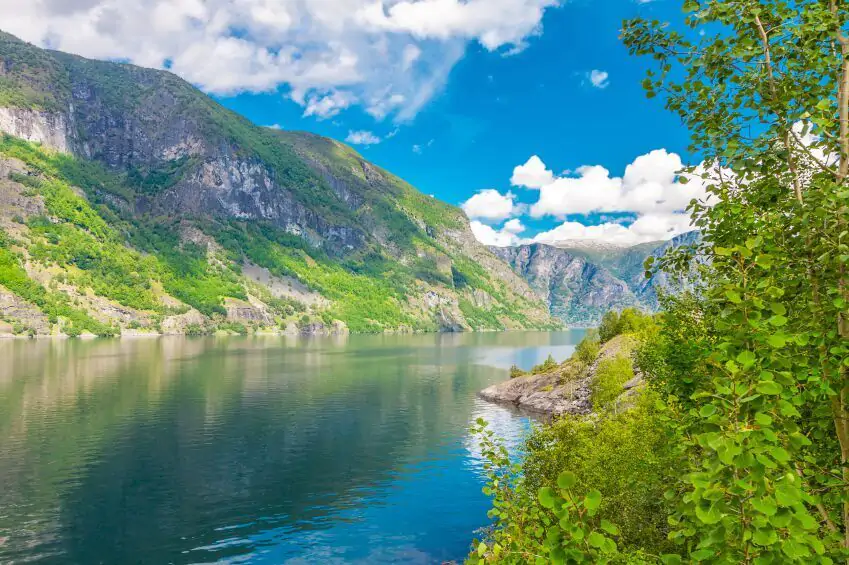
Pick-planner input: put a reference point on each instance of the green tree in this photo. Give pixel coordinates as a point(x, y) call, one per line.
point(764, 88)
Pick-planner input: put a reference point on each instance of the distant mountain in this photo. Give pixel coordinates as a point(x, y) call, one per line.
point(144, 205)
point(581, 281)
point(577, 291)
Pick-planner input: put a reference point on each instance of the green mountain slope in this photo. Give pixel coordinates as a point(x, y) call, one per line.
point(130, 201)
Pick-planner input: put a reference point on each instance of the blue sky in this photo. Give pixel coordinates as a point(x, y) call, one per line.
point(452, 94)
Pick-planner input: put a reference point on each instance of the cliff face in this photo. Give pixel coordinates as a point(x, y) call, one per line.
point(577, 291)
point(174, 165)
point(581, 284)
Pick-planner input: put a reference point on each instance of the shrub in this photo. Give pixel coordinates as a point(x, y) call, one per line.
point(588, 349)
point(630, 320)
point(515, 371)
point(610, 375)
point(546, 367)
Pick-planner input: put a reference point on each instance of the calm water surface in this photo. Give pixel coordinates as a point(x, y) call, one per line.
point(261, 450)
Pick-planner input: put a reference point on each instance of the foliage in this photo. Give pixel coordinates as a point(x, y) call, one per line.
point(751, 368)
point(762, 403)
point(630, 320)
point(516, 372)
point(546, 366)
point(55, 305)
point(628, 456)
point(588, 348)
point(610, 375)
point(556, 525)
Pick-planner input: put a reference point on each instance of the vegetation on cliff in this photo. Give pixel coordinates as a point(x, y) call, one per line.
point(147, 203)
point(742, 443)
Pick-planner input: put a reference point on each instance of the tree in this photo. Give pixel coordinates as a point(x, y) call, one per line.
point(763, 86)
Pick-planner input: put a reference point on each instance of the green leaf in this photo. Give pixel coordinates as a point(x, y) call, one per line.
point(609, 527)
point(733, 296)
point(780, 454)
point(746, 358)
point(595, 539)
point(765, 537)
point(546, 497)
point(593, 500)
point(777, 340)
point(710, 515)
point(707, 410)
point(482, 549)
point(763, 419)
point(778, 308)
point(765, 505)
point(690, 6)
point(778, 321)
point(566, 480)
point(768, 387)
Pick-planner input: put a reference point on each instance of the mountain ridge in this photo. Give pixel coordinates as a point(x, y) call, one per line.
point(580, 284)
point(160, 171)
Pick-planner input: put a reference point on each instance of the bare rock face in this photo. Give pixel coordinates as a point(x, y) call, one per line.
point(47, 128)
point(543, 394)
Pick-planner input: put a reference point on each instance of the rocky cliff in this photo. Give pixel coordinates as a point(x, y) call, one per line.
point(577, 291)
point(165, 175)
point(580, 282)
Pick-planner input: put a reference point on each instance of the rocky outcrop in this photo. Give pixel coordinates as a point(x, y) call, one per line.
point(566, 389)
point(47, 128)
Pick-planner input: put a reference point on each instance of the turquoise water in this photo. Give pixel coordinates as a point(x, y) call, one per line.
point(258, 449)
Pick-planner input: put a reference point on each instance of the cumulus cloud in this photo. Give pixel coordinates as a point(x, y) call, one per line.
point(362, 138)
point(327, 105)
point(647, 203)
point(489, 204)
point(391, 56)
point(599, 79)
point(649, 185)
point(508, 235)
point(532, 174)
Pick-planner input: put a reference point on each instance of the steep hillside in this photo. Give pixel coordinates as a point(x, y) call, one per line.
point(581, 282)
point(577, 291)
point(140, 204)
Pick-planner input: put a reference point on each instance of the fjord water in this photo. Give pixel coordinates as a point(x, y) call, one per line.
point(256, 449)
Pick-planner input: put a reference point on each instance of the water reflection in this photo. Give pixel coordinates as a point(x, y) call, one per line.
point(261, 449)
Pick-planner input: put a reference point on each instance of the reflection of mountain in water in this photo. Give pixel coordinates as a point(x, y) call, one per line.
point(121, 449)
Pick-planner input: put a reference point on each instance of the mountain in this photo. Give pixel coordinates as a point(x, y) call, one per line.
point(581, 281)
point(577, 291)
point(132, 202)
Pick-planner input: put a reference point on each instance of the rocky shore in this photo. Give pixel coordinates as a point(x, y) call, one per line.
point(565, 389)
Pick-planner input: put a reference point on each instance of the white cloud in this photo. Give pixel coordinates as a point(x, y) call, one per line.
point(532, 174)
point(391, 56)
point(362, 137)
point(274, 126)
point(505, 237)
point(654, 227)
point(599, 79)
point(327, 105)
point(650, 185)
point(489, 204)
point(649, 195)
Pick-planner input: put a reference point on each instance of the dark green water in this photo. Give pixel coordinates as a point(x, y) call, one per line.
point(266, 450)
